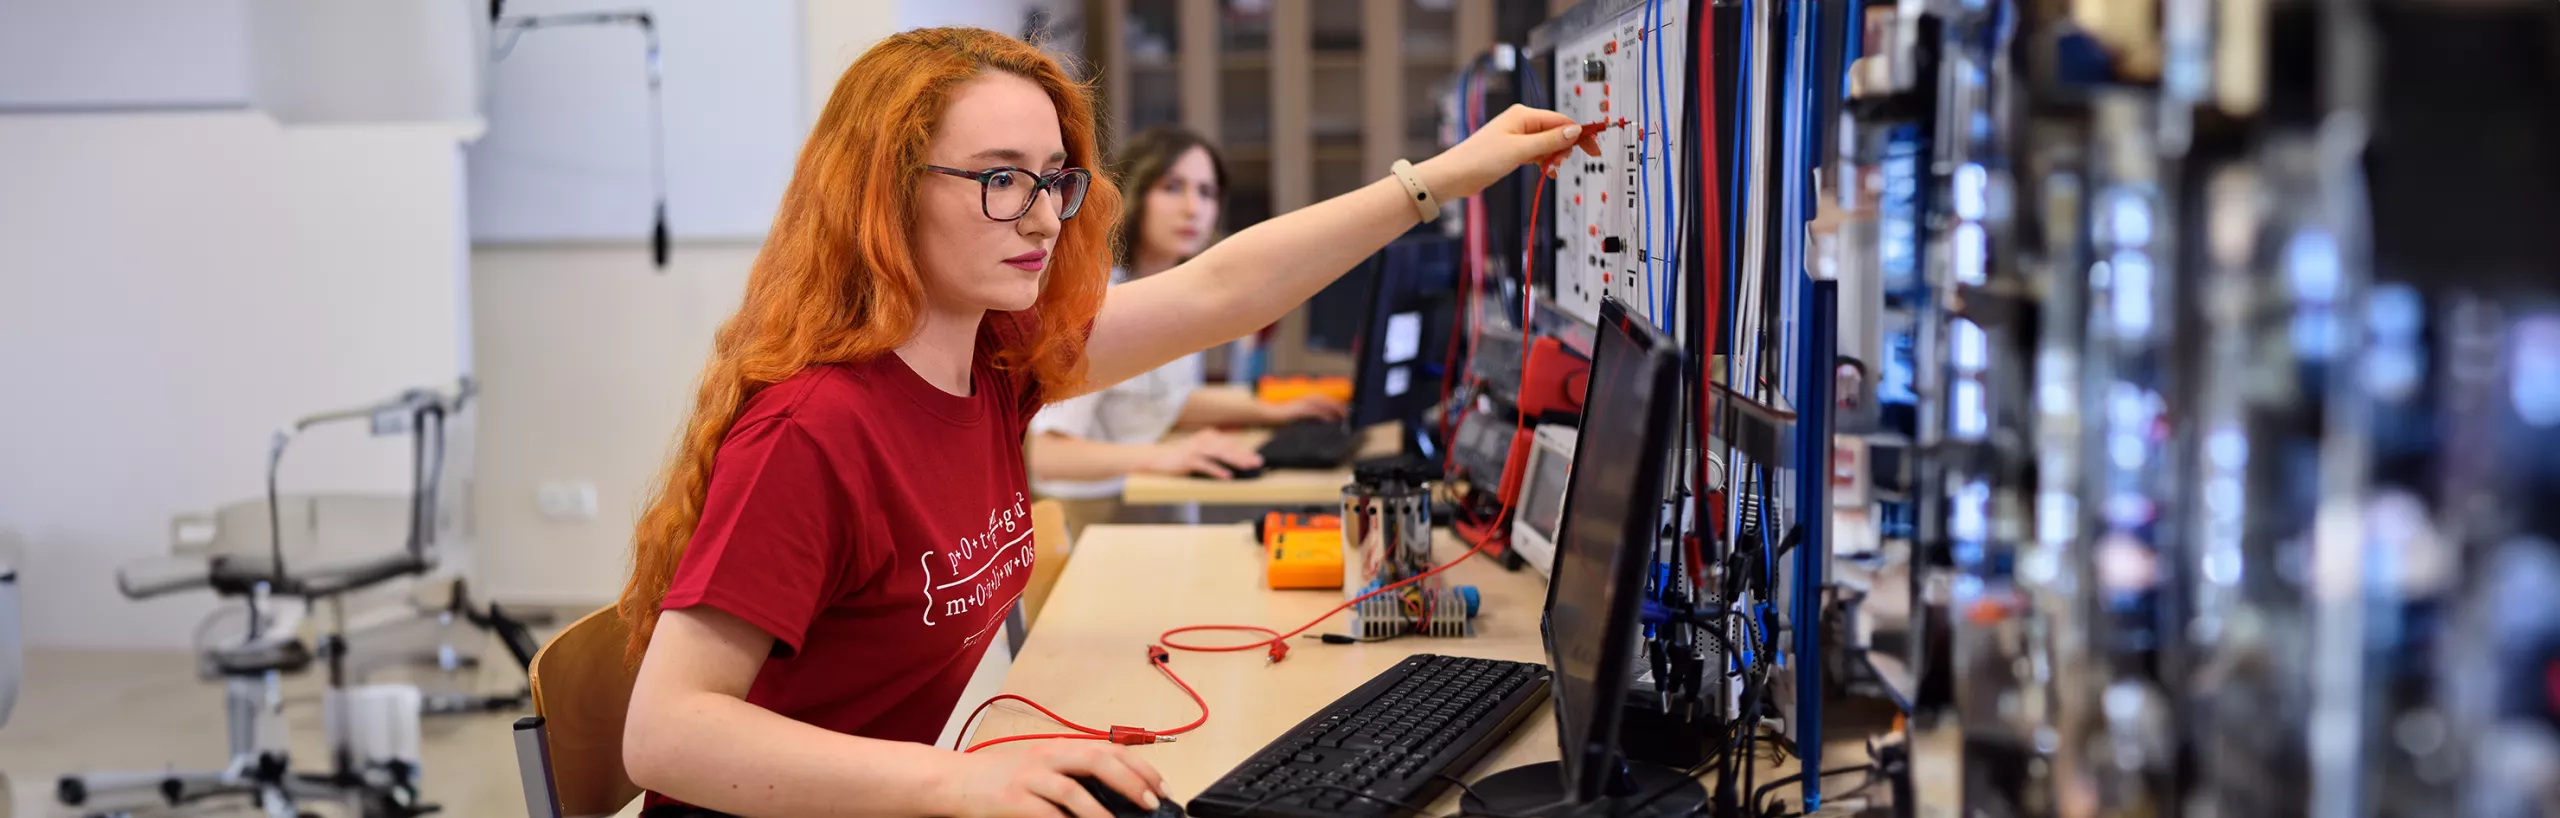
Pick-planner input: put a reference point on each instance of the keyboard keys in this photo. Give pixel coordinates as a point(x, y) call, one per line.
point(1387, 739)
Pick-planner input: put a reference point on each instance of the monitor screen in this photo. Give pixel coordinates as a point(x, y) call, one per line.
point(1611, 514)
point(1404, 336)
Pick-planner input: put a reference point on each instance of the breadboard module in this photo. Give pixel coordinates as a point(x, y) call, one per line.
point(1616, 213)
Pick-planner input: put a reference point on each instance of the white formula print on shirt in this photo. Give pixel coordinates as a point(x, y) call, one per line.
point(974, 571)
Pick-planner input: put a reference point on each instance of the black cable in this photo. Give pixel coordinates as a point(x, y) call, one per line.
point(1750, 770)
point(1786, 746)
point(1348, 639)
point(1687, 777)
point(1761, 795)
point(1756, 692)
point(1470, 792)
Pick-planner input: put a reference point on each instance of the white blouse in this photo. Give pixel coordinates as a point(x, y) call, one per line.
point(1139, 410)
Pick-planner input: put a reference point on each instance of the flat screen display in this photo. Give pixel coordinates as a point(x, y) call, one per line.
point(1611, 511)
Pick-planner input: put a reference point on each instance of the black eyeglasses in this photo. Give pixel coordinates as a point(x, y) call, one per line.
point(1006, 194)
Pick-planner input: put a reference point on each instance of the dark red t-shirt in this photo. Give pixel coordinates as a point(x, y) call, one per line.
point(879, 528)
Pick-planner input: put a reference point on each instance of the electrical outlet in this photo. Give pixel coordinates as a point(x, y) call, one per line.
point(567, 501)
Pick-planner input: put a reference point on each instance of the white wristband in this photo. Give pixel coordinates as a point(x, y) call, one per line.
point(1424, 203)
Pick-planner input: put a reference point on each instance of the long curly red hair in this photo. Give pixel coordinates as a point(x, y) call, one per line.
point(837, 282)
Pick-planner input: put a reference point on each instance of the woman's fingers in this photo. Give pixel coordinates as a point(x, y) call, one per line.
point(1155, 780)
point(1065, 792)
point(1240, 457)
point(1117, 770)
point(1318, 407)
point(1553, 132)
point(1527, 120)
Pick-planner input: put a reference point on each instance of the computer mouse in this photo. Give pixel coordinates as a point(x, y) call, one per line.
point(1120, 805)
point(1233, 473)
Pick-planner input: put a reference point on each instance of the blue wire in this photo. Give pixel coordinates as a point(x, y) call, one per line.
point(1464, 115)
point(1856, 44)
point(1777, 654)
point(1790, 205)
point(1644, 177)
point(1768, 552)
point(1654, 39)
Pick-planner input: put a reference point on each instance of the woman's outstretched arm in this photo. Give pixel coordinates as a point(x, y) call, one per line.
point(1257, 275)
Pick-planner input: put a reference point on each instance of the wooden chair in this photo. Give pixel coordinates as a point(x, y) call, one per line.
point(570, 750)
point(1049, 538)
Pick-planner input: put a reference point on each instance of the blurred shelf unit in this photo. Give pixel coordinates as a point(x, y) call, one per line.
point(1308, 98)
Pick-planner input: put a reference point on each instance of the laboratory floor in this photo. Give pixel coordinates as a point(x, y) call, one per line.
point(91, 711)
point(98, 710)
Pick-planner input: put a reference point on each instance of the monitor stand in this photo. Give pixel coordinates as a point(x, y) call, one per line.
point(1537, 791)
point(1418, 438)
point(1412, 436)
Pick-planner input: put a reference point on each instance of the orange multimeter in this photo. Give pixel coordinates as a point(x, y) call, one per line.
point(1286, 388)
point(1305, 550)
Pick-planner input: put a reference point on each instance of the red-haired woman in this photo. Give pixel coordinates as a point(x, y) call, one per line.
point(844, 524)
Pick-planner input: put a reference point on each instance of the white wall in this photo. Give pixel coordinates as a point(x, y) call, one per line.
point(589, 357)
point(88, 54)
point(586, 359)
point(833, 34)
point(400, 61)
point(567, 153)
point(173, 286)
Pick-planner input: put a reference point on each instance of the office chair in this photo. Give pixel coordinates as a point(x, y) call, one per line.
point(569, 751)
point(252, 643)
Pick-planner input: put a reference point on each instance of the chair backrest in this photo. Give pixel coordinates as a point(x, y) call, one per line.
point(1049, 541)
point(582, 690)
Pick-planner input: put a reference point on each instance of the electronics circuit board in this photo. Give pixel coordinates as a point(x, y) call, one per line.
point(1617, 213)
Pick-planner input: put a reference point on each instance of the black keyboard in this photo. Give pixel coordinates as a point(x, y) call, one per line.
point(1310, 444)
point(1392, 738)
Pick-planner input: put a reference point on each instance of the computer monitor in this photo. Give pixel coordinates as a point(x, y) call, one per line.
point(1611, 518)
point(1402, 349)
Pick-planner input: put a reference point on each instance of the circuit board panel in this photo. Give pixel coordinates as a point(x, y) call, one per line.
point(1617, 213)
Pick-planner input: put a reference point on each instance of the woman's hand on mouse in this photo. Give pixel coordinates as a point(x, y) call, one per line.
point(1208, 451)
point(1519, 136)
point(1311, 407)
point(1035, 781)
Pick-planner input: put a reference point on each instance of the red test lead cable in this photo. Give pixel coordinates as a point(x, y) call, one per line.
point(1710, 227)
point(1277, 643)
point(1528, 306)
point(1116, 735)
